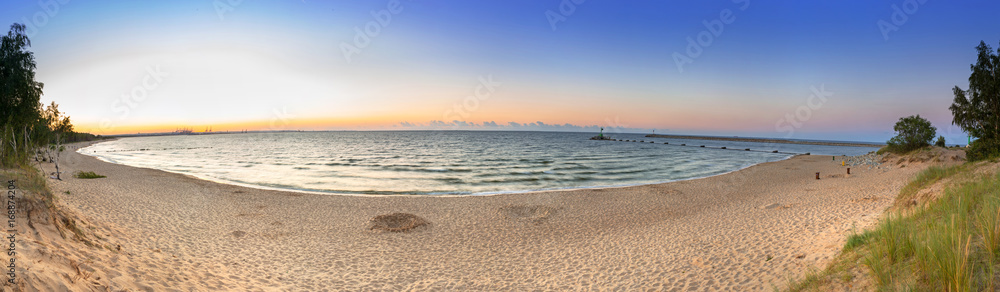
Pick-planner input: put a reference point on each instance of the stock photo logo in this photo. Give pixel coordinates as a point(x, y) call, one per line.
point(280, 119)
point(364, 36)
point(461, 110)
point(713, 29)
point(564, 11)
point(133, 98)
point(48, 10)
point(225, 6)
point(899, 17)
point(803, 113)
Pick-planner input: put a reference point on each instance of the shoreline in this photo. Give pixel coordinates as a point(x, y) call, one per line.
point(482, 194)
point(745, 230)
point(766, 140)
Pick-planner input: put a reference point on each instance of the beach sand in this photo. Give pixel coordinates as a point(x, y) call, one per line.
point(747, 230)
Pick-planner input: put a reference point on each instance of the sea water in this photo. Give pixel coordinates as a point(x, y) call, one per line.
point(441, 162)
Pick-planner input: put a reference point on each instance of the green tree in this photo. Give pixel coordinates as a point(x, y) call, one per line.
point(53, 124)
point(977, 110)
point(912, 133)
point(23, 125)
point(940, 142)
point(19, 92)
point(19, 97)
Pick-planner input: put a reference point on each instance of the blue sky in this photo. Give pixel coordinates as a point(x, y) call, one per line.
point(130, 66)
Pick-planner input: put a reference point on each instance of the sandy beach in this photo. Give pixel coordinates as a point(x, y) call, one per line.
point(747, 230)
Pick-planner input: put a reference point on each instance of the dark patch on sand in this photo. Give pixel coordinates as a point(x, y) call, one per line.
point(396, 222)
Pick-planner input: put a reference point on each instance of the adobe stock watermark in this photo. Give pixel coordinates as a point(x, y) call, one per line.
point(803, 113)
point(899, 17)
point(615, 126)
point(225, 6)
point(463, 109)
point(41, 18)
point(130, 100)
point(565, 9)
point(363, 37)
point(952, 131)
point(713, 29)
point(281, 117)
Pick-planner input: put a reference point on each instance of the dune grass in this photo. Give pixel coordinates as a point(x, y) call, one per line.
point(951, 245)
point(87, 175)
point(928, 177)
point(33, 196)
point(29, 179)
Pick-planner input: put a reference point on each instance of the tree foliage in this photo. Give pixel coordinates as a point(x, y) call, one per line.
point(940, 142)
point(912, 133)
point(19, 92)
point(25, 125)
point(977, 110)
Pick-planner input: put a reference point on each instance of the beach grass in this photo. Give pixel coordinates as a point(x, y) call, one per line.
point(87, 175)
point(952, 244)
point(29, 179)
point(927, 178)
point(856, 240)
point(36, 196)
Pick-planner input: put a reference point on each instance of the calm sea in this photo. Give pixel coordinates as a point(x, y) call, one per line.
point(439, 162)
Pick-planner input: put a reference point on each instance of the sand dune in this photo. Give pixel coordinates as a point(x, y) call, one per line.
point(746, 230)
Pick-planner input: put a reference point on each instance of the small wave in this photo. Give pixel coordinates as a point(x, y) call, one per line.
point(627, 171)
point(518, 180)
point(421, 169)
point(575, 167)
point(538, 161)
point(532, 172)
point(451, 169)
point(450, 180)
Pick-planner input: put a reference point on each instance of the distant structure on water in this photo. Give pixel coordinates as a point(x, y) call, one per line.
point(600, 136)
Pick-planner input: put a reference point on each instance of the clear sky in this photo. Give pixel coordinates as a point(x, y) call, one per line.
point(844, 70)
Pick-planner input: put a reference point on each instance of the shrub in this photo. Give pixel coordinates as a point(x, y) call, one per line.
point(87, 175)
point(912, 133)
point(940, 142)
point(983, 149)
